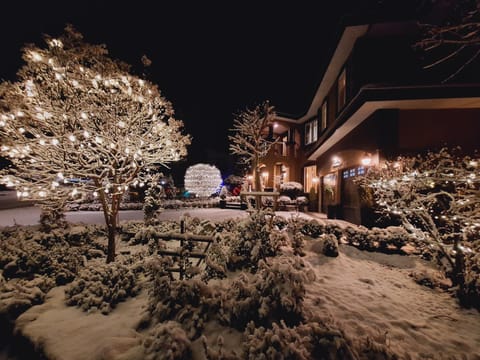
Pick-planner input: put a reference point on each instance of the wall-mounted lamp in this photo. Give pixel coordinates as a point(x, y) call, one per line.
point(336, 161)
point(367, 160)
point(315, 180)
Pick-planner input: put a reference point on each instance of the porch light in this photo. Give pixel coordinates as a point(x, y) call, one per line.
point(336, 161)
point(366, 160)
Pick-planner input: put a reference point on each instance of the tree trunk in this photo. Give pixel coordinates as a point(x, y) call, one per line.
point(258, 184)
point(111, 241)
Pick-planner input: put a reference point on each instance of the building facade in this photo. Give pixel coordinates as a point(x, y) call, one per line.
point(375, 101)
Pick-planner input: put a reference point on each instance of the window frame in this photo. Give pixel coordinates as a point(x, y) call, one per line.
point(311, 131)
point(342, 95)
point(324, 115)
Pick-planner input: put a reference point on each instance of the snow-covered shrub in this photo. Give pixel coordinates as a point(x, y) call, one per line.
point(216, 261)
point(302, 200)
point(189, 302)
point(330, 245)
point(297, 238)
point(388, 240)
point(22, 257)
point(302, 342)
point(167, 341)
point(431, 278)
point(435, 197)
point(226, 225)
point(18, 295)
point(153, 201)
point(52, 215)
point(314, 229)
point(469, 293)
point(291, 189)
point(101, 287)
point(219, 352)
point(255, 239)
point(274, 293)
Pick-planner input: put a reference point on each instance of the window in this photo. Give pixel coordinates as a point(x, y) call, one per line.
point(310, 179)
point(342, 90)
point(323, 115)
point(345, 174)
point(360, 170)
point(352, 172)
point(311, 131)
point(284, 145)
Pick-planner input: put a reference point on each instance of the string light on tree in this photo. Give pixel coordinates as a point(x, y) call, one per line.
point(202, 179)
point(51, 142)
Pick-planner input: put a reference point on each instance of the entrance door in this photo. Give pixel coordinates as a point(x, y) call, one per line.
point(350, 197)
point(329, 191)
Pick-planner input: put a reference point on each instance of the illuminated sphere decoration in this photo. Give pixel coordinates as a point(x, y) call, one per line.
point(202, 179)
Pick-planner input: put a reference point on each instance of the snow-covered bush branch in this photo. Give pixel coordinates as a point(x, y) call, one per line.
point(436, 197)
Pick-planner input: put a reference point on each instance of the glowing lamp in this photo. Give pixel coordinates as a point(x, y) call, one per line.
point(336, 161)
point(366, 160)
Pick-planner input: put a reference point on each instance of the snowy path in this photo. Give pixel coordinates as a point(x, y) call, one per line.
point(371, 295)
point(30, 215)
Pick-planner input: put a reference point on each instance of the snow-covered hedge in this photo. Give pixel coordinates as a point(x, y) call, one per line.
point(190, 302)
point(101, 286)
point(18, 295)
point(254, 239)
point(314, 229)
point(274, 293)
point(291, 189)
point(57, 255)
point(305, 341)
point(167, 341)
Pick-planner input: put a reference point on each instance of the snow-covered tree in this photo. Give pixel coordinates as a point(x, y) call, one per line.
point(203, 179)
point(251, 141)
point(436, 197)
point(154, 194)
point(455, 41)
point(75, 113)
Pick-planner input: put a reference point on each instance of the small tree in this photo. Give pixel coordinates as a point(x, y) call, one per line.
point(154, 194)
point(75, 113)
point(436, 197)
point(251, 141)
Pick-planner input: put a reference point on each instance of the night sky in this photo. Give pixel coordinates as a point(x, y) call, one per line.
point(210, 59)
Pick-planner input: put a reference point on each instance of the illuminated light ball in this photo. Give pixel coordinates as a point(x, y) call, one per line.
point(202, 179)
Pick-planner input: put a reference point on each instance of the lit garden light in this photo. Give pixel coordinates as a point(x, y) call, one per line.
point(202, 179)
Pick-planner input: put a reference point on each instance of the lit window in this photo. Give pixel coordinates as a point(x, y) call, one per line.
point(323, 118)
point(342, 90)
point(345, 174)
point(352, 172)
point(310, 179)
point(311, 131)
point(361, 170)
point(284, 145)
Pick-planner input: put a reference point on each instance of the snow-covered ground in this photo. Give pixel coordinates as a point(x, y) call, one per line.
point(31, 215)
point(370, 298)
